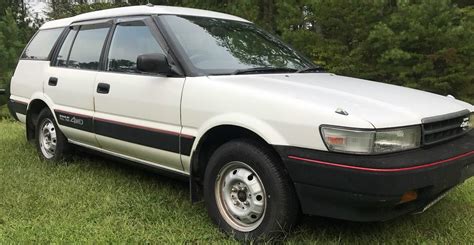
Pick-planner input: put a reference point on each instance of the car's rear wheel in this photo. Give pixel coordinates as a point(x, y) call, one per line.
point(51, 143)
point(248, 194)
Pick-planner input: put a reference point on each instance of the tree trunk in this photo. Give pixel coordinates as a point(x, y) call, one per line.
point(267, 9)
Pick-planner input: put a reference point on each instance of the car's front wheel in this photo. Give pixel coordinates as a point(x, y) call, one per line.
point(50, 142)
point(247, 192)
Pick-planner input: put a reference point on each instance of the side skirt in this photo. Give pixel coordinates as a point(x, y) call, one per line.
point(156, 167)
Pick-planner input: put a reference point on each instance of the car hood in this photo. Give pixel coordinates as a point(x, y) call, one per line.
point(383, 105)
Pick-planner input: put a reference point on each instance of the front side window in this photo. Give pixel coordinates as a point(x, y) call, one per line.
point(87, 47)
point(217, 46)
point(130, 40)
point(42, 44)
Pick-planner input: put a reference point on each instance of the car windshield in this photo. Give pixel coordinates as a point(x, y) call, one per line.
point(219, 47)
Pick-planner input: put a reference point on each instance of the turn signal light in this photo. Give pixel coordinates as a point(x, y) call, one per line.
point(408, 197)
point(336, 140)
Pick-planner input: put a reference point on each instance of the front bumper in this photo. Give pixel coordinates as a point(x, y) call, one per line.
point(369, 188)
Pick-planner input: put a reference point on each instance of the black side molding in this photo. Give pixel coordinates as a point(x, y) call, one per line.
point(17, 107)
point(151, 137)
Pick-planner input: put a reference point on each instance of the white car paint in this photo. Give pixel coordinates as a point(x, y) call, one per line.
point(139, 10)
point(73, 93)
point(287, 109)
point(383, 105)
point(152, 102)
point(284, 109)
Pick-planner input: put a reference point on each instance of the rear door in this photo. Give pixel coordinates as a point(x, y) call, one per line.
point(137, 114)
point(72, 79)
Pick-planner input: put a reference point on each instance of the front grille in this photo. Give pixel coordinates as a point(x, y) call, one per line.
point(444, 127)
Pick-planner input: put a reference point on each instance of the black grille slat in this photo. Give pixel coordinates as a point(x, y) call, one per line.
point(437, 130)
point(442, 128)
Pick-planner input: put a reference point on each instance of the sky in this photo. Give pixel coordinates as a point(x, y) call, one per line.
point(37, 7)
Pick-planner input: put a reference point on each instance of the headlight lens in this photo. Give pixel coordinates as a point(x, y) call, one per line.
point(371, 141)
point(397, 139)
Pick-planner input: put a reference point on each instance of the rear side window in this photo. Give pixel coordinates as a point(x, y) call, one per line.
point(87, 47)
point(63, 54)
point(130, 40)
point(42, 44)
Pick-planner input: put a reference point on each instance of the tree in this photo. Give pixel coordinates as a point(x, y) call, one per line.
point(11, 44)
point(64, 8)
point(423, 44)
point(426, 46)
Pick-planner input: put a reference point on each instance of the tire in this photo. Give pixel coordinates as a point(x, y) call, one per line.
point(243, 174)
point(50, 142)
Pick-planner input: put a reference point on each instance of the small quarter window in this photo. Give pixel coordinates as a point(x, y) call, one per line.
point(42, 44)
point(87, 47)
point(130, 40)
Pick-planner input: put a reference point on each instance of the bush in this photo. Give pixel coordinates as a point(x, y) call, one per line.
point(422, 44)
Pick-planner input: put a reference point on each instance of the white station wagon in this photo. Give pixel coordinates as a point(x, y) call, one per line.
point(260, 132)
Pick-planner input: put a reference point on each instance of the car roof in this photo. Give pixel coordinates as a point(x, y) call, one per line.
point(139, 10)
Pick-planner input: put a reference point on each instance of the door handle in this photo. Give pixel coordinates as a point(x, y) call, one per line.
point(53, 81)
point(103, 88)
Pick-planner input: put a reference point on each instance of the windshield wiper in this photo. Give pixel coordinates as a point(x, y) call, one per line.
point(311, 69)
point(264, 70)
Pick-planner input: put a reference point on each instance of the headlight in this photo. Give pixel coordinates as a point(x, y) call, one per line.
point(371, 141)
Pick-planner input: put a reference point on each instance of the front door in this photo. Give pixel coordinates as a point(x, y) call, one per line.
point(137, 114)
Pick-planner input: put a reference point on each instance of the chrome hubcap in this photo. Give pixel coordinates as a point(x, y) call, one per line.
point(47, 138)
point(241, 197)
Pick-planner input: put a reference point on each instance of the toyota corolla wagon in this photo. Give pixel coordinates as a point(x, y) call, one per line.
point(260, 132)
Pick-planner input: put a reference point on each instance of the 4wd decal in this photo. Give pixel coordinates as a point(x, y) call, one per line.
point(155, 138)
point(70, 119)
point(73, 120)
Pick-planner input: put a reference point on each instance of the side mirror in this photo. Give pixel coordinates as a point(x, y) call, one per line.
point(154, 63)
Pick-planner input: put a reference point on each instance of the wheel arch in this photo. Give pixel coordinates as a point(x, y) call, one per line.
point(209, 142)
point(34, 108)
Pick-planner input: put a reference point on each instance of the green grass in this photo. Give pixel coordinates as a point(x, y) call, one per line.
point(4, 113)
point(91, 199)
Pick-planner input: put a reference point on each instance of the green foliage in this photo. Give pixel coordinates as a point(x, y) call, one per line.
point(423, 44)
point(427, 46)
point(63, 8)
point(4, 113)
point(12, 41)
point(16, 28)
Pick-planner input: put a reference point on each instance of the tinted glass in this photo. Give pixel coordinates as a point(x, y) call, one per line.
point(42, 43)
point(85, 53)
point(217, 46)
point(65, 48)
point(130, 40)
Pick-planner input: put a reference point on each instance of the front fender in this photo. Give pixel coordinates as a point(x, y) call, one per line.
point(257, 126)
